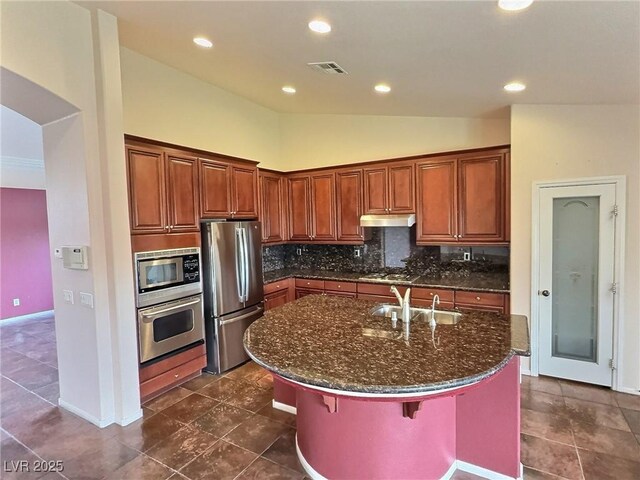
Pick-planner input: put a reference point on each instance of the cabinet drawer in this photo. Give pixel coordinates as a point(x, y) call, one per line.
point(275, 286)
point(480, 298)
point(379, 289)
point(303, 292)
point(309, 283)
point(169, 363)
point(163, 382)
point(428, 294)
point(333, 286)
point(341, 294)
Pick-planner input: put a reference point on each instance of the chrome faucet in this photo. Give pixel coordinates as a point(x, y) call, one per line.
point(404, 304)
point(432, 322)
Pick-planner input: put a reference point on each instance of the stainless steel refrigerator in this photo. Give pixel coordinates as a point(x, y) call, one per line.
point(233, 289)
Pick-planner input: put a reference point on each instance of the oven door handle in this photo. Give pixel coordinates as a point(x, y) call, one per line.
point(155, 313)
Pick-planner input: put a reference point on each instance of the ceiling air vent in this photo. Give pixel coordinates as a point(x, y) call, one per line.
point(328, 67)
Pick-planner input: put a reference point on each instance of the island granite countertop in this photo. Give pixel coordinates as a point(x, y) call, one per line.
point(475, 281)
point(327, 341)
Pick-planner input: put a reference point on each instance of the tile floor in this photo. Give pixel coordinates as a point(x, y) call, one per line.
point(223, 427)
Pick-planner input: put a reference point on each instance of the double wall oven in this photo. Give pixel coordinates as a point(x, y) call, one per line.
point(169, 301)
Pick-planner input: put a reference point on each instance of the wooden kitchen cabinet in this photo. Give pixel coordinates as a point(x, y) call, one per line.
point(163, 191)
point(278, 293)
point(389, 188)
point(299, 196)
point(349, 206)
point(273, 207)
point(228, 190)
point(462, 199)
point(491, 302)
point(323, 207)
point(481, 198)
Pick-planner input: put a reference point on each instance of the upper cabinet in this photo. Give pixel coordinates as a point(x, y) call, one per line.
point(349, 205)
point(228, 190)
point(389, 188)
point(323, 207)
point(163, 190)
point(299, 197)
point(463, 199)
point(273, 203)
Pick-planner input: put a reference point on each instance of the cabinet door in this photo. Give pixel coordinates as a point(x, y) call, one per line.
point(182, 192)
point(401, 188)
point(323, 207)
point(299, 193)
point(276, 299)
point(215, 189)
point(272, 208)
point(375, 190)
point(437, 203)
point(481, 199)
point(147, 194)
point(244, 201)
point(349, 205)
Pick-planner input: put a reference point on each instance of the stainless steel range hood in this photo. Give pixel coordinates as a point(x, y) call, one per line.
point(405, 220)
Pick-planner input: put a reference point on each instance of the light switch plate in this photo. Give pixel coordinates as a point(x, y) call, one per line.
point(68, 296)
point(86, 299)
point(467, 256)
point(16, 302)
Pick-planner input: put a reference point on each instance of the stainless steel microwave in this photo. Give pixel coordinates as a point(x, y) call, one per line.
point(164, 275)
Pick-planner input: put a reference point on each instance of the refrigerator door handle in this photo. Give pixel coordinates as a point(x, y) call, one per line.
point(252, 313)
point(246, 264)
point(239, 264)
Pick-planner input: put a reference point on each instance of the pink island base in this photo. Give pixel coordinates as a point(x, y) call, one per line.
point(475, 428)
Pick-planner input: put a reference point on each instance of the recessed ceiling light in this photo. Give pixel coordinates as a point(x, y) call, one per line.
point(203, 42)
point(382, 88)
point(513, 5)
point(319, 26)
point(288, 89)
point(515, 87)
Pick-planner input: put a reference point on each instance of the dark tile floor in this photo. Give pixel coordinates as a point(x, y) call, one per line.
point(223, 427)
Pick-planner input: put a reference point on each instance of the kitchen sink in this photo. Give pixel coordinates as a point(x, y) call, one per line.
point(442, 317)
point(388, 310)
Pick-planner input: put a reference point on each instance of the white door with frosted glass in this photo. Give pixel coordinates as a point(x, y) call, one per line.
point(576, 282)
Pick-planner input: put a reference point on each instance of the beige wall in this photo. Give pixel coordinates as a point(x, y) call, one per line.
point(165, 104)
point(320, 140)
point(558, 142)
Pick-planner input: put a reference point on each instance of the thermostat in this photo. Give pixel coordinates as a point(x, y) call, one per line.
point(75, 257)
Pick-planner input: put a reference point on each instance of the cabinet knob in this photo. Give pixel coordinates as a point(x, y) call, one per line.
point(477, 298)
point(431, 293)
point(339, 286)
point(176, 375)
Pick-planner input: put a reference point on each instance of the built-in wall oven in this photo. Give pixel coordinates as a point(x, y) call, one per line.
point(169, 300)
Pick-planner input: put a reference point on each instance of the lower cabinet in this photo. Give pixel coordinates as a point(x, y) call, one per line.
point(161, 376)
point(278, 293)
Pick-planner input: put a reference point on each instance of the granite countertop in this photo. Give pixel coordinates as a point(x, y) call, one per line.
point(481, 282)
point(335, 342)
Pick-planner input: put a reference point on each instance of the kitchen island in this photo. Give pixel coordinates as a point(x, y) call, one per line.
point(374, 403)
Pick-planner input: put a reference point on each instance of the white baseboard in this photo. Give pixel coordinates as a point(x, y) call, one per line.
point(485, 473)
point(82, 414)
point(456, 465)
point(284, 407)
point(29, 316)
point(130, 419)
point(525, 371)
point(630, 391)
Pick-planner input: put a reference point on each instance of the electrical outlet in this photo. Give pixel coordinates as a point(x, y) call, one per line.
point(467, 256)
point(86, 299)
point(16, 302)
point(68, 296)
point(356, 252)
point(298, 251)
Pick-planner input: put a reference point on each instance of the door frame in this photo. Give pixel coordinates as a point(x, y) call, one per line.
point(620, 182)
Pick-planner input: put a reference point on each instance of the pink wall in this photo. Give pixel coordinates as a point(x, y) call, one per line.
point(25, 264)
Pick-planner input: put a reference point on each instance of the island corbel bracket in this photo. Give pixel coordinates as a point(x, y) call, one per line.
point(410, 409)
point(331, 403)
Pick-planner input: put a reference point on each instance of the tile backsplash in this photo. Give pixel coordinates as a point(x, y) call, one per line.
point(387, 249)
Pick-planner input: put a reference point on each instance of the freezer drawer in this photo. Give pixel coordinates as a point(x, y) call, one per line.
point(225, 348)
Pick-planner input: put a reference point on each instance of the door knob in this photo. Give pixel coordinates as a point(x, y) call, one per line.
point(545, 293)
